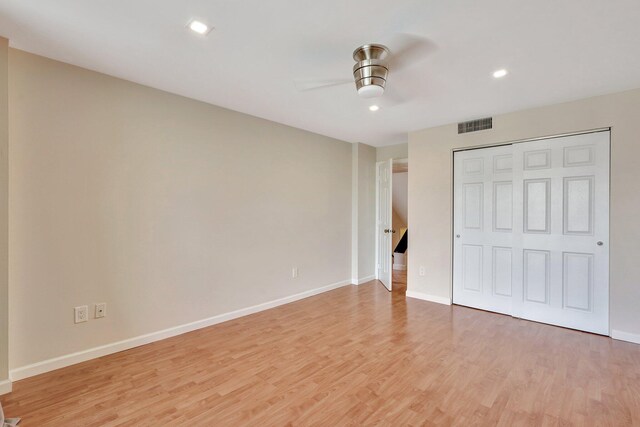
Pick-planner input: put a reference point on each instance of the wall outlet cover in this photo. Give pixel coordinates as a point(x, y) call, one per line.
point(81, 314)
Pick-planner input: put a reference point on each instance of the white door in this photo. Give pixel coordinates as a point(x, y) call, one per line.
point(383, 220)
point(483, 240)
point(556, 253)
point(563, 188)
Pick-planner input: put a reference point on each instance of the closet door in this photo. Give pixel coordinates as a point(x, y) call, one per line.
point(562, 185)
point(531, 230)
point(483, 229)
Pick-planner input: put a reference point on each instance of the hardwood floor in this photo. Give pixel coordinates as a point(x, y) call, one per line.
point(353, 356)
point(399, 279)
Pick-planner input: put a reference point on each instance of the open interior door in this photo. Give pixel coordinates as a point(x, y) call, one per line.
point(383, 220)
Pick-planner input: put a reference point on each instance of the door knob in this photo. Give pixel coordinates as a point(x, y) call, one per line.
point(457, 236)
point(386, 230)
point(600, 243)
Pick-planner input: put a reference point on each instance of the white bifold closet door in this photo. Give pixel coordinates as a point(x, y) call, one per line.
point(531, 230)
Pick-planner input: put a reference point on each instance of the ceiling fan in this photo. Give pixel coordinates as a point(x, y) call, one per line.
point(371, 69)
point(373, 65)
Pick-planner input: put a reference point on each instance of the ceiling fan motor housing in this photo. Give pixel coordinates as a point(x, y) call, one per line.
point(370, 71)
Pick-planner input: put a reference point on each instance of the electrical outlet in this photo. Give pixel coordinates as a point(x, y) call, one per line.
point(294, 272)
point(81, 313)
point(422, 271)
point(101, 310)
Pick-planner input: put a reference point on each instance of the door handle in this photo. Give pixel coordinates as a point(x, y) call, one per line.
point(386, 230)
point(457, 236)
point(600, 243)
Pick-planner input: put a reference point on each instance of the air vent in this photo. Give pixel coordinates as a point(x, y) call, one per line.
point(475, 125)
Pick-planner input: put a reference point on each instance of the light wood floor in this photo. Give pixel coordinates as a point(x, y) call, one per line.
point(399, 280)
point(353, 356)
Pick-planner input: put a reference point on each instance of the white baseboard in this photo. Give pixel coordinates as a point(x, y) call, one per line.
point(399, 267)
point(427, 297)
point(93, 353)
point(625, 336)
point(5, 387)
point(364, 280)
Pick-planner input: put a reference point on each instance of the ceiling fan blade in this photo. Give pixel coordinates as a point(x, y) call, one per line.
point(409, 49)
point(304, 85)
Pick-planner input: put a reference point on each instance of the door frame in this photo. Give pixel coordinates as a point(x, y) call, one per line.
point(512, 142)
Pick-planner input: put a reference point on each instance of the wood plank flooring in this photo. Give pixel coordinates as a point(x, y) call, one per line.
point(352, 356)
point(399, 280)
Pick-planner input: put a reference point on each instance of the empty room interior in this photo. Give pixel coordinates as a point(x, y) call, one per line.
point(319, 213)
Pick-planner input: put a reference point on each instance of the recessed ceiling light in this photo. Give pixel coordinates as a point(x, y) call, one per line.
point(374, 108)
point(199, 27)
point(500, 73)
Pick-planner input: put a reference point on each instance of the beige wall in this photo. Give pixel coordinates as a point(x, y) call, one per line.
point(167, 209)
point(364, 205)
point(430, 191)
point(400, 194)
point(399, 151)
point(400, 202)
point(4, 209)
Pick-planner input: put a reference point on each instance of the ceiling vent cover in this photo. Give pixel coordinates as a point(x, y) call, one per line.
point(475, 125)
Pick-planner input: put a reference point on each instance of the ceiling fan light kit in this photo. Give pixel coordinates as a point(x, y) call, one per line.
point(370, 71)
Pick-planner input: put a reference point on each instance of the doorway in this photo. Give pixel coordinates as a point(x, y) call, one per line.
point(392, 224)
point(400, 225)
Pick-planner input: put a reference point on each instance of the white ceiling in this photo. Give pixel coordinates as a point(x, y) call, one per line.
point(555, 50)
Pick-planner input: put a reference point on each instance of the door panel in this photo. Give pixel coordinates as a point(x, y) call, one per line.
point(536, 276)
point(503, 206)
point(484, 195)
point(538, 218)
point(473, 206)
point(537, 159)
point(577, 280)
point(503, 163)
point(578, 205)
point(473, 167)
point(384, 258)
point(502, 271)
point(579, 156)
point(472, 267)
point(578, 218)
point(537, 205)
